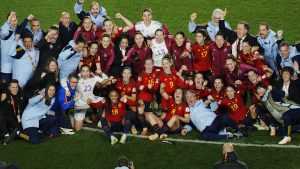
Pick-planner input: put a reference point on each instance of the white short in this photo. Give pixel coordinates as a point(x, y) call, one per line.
point(79, 114)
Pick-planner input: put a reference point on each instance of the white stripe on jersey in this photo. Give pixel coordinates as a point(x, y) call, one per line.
point(150, 30)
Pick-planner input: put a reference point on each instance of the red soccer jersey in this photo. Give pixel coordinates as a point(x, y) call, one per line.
point(257, 63)
point(147, 94)
point(176, 109)
point(252, 90)
point(91, 61)
point(217, 95)
point(114, 35)
point(202, 57)
point(200, 93)
point(172, 82)
point(117, 111)
point(128, 89)
point(237, 110)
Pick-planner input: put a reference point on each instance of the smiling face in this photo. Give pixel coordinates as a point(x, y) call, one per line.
point(79, 47)
point(230, 64)
point(220, 41)
point(178, 95)
point(65, 19)
point(199, 78)
point(230, 92)
point(124, 43)
point(108, 26)
point(51, 91)
point(200, 38)
point(263, 31)
point(246, 48)
point(241, 30)
point(85, 72)
point(139, 39)
point(159, 36)
point(13, 88)
point(27, 43)
point(95, 8)
point(166, 64)
point(93, 49)
point(149, 65)
point(73, 83)
point(285, 52)
point(35, 26)
point(87, 24)
point(13, 22)
point(252, 76)
point(147, 17)
point(52, 66)
point(179, 39)
point(105, 42)
point(126, 74)
point(218, 84)
point(113, 96)
point(286, 76)
point(54, 36)
point(260, 91)
point(190, 98)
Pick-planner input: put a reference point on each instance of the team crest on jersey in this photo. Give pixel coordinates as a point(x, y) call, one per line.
point(179, 108)
point(128, 89)
point(119, 105)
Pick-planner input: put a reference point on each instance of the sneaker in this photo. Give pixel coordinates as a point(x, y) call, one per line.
point(144, 132)
point(6, 140)
point(163, 136)
point(153, 137)
point(237, 135)
point(259, 127)
point(113, 140)
point(229, 135)
point(273, 131)
point(66, 131)
point(99, 124)
point(123, 139)
point(88, 121)
point(133, 130)
point(285, 140)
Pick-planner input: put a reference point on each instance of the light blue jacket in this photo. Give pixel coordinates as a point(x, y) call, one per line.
point(270, 49)
point(68, 60)
point(211, 29)
point(7, 36)
point(98, 20)
point(24, 62)
point(35, 111)
point(202, 116)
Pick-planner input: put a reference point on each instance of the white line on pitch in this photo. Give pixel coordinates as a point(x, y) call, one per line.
point(206, 142)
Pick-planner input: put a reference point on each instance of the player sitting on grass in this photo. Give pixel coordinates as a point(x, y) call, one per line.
point(115, 117)
point(177, 113)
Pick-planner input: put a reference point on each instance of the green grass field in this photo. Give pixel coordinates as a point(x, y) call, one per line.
point(87, 149)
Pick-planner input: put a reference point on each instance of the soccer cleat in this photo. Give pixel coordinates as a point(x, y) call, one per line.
point(163, 136)
point(123, 139)
point(153, 137)
point(259, 127)
point(133, 130)
point(273, 131)
point(88, 121)
point(184, 131)
point(113, 140)
point(229, 135)
point(6, 140)
point(285, 140)
point(99, 124)
point(66, 131)
point(237, 135)
point(144, 132)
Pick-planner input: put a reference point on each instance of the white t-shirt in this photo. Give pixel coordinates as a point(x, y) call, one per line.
point(159, 50)
point(150, 30)
point(86, 87)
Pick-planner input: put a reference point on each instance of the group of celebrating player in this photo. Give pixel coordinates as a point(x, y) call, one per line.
point(140, 76)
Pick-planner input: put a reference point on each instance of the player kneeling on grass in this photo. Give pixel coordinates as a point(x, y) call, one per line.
point(85, 86)
point(178, 113)
point(115, 117)
point(36, 116)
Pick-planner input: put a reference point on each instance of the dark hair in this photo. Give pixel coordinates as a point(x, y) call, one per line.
point(219, 33)
point(180, 33)
point(232, 86)
point(89, 44)
point(53, 28)
point(246, 25)
point(167, 57)
point(32, 20)
point(159, 30)
point(73, 75)
point(28, 35)
point(107, 19)
point(105, 35)
point(85, 65)
point(221, 79)
point(80, 39)
point(109, 104)
point(288, 69)
point(14, 81)
point(260, 85)
point(127, 68)
point(283, 44)
point(231, 57)
point(147, 10)
point(204, 34)
point(123, 161)
point(47, 98)
point(263, 23)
